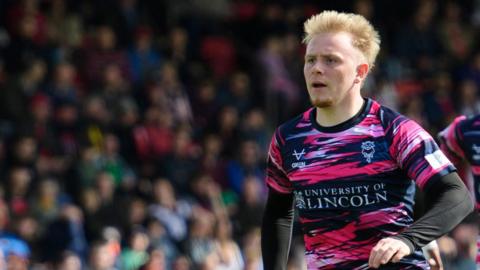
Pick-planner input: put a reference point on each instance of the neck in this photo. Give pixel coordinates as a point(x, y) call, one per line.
point(339, 113)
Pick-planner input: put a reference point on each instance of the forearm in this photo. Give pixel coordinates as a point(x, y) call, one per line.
point(448, 203)
point(277, 231)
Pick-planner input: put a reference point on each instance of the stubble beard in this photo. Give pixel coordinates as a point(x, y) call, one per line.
point(321, 103)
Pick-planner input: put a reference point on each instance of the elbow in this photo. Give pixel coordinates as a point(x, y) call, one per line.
point(471, 205)
point(469, 201)
point(467, 206)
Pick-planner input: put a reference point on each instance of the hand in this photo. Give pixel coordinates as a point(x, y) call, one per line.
point(435, 263)
point(387, 250)
point(432, 253)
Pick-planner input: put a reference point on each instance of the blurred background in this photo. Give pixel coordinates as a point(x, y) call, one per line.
point(134, 133)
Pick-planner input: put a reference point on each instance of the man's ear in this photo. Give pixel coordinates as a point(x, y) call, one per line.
point(362, 71)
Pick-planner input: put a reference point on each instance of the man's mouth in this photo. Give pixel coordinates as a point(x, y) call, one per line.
point(318, 85)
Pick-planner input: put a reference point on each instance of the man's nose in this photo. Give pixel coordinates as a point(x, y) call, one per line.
point(318, 68)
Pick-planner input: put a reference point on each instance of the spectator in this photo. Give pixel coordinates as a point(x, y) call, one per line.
point(101, 257)
point(114, 89)
point(155, 261)
point(65, 233)
point(19, 185)
point(103, 53)
point(143, 57)
point(168, 210)
point(469, 101)
point(15, 252)
point(153, 138)
point(168, 92)
point(212, 162)
point(456, 36)
point(160, 240)
point(111, 162)
point(20, 89)
point(251, 204)
point(181, 164)
point(48, 201)
point(206, 105)
point(238, 92)
point(69, 261)
point(279, 84)
point(63, 88)
point(200, 245)
point(246, 164)
point(230, 256)
point(135, 254)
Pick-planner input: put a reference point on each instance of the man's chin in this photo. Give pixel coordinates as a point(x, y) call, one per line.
point(322, 103)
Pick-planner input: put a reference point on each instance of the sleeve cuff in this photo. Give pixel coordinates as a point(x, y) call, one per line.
point(407, 241)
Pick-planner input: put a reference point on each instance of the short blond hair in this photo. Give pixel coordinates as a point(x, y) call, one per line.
point(364, 36)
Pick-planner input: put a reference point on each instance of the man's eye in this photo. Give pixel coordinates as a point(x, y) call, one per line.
point(310, 60)
point(330, 60)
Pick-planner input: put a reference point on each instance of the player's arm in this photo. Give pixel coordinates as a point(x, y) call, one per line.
point(277, 230)
point(278, 216)
point(431, 251)
point(447, 201)
point(446, 197)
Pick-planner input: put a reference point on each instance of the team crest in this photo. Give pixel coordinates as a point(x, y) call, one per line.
point(368, 149)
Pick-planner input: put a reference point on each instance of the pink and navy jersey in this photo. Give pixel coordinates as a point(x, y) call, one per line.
point(461, 142)
point(354, 183)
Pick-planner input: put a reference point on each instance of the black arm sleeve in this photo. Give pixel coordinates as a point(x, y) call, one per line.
point(277, 230)
point(447, 202)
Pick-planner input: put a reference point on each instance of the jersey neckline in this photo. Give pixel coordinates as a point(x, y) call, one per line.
point(357, 118)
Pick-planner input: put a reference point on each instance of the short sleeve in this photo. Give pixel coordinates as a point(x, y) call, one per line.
point(276, 176)
point(417, 153)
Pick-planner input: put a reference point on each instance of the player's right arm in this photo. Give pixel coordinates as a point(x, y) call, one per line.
point(277, 230)
point(278, 215)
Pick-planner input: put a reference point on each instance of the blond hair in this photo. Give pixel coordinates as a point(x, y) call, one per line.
point(364, 36)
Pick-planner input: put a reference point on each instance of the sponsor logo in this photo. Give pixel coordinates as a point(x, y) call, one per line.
point(298, 156)
point(298, 165)
point(340, 197)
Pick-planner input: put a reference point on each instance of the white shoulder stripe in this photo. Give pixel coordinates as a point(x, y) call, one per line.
point(437, 159)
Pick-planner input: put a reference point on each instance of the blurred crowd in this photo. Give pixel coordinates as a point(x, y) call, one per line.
point(134, 133)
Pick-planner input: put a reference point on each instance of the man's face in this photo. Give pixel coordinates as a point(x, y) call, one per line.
point(332, 67)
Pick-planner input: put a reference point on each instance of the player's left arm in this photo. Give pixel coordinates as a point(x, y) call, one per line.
point(447, 199)
point(448, 202)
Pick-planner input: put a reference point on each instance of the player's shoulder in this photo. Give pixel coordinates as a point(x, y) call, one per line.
point(463, 123)
point(471, 122)
point(389, 117)
point(297, 124)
